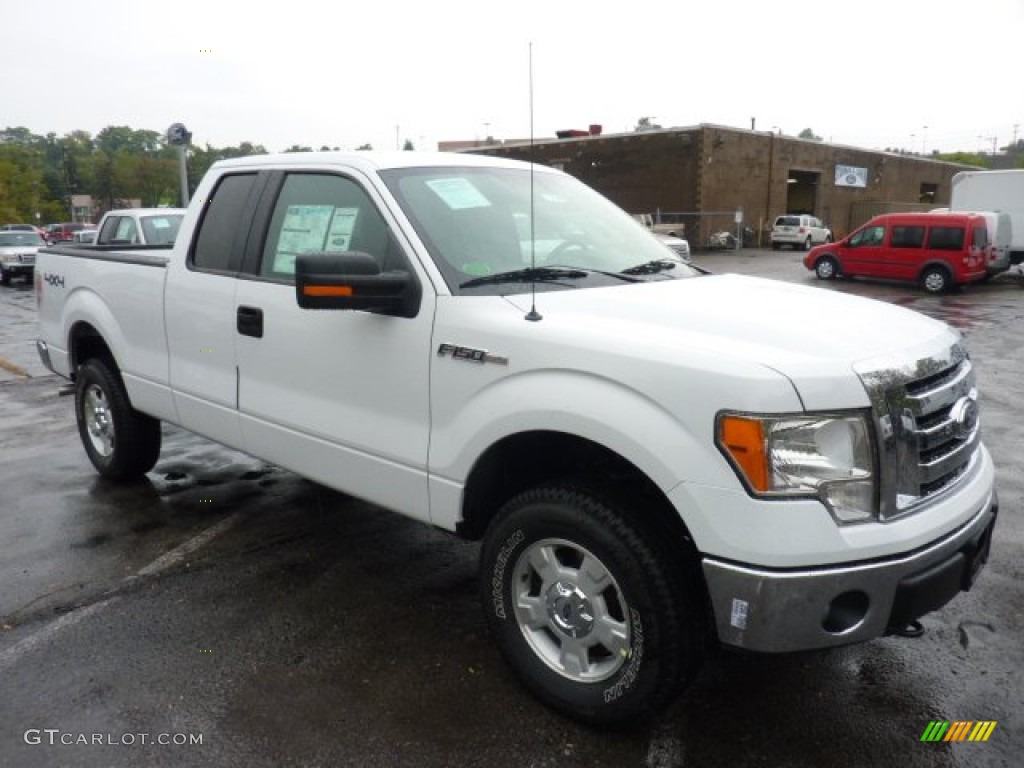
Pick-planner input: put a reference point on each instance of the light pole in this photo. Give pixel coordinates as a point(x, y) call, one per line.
point(179, 136)
point(924, 138)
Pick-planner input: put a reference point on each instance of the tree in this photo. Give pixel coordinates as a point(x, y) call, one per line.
point(967, 158)
point(297, 148)
point(408, 146)
point(807, 133)
point(647, 124)
point(364, 146)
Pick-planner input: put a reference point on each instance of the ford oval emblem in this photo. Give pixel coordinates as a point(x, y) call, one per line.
point(964, 415)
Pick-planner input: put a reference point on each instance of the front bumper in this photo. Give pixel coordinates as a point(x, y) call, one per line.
point(772, 610)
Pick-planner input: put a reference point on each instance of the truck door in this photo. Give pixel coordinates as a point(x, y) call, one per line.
point(200, 312)
point(341, 396)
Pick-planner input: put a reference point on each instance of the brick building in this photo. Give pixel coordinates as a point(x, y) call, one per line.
point(703, 175)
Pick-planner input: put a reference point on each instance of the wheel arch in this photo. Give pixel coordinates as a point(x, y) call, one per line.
point(937, 264)
point(526, 459)
point(86, 342)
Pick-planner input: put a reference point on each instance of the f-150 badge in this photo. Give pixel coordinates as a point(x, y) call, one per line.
point(469, 354)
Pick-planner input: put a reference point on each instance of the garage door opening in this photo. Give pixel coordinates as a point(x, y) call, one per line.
point(802, 192)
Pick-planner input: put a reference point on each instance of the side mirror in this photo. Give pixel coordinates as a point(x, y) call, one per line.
point(354, 280)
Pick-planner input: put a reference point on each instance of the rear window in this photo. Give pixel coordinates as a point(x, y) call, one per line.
point(979, 237)
point(946, 238)
point(907, 237)
point(787, 221)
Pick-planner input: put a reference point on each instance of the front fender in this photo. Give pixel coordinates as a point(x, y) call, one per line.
point(662, 445)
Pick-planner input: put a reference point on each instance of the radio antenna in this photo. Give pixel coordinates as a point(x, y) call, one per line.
point(533, 315)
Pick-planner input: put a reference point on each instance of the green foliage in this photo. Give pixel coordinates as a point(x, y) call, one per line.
point(807, 133)
point(966, 158)
point(408, 146)
point(38, 174)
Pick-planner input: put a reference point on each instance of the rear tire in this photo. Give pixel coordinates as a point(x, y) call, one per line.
point(807, 243)
point(5, 277)
point(776, 246)
point(121, 443)
point(936, 280)
point(599, 617)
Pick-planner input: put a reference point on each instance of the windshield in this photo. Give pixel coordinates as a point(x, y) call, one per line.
point(30, 239)
point(476, 222)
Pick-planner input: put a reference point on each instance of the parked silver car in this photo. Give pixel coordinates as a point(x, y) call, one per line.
point(18, 254)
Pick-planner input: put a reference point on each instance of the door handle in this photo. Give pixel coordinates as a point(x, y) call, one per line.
point(250, 321)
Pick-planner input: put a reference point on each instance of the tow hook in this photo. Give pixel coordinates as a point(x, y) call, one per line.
point(913, 629)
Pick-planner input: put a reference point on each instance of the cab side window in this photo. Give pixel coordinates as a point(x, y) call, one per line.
point(322, 212)
point(109, 227)
point(216, 245)
point(907, 237)
point(126, 232)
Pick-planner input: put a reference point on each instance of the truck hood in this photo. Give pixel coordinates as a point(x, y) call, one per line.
point(812, 336)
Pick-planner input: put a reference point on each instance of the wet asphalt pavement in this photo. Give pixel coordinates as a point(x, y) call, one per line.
point(282, 624)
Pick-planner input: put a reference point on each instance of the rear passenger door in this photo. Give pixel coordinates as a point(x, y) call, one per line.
point(906, 250)
point(200, 311)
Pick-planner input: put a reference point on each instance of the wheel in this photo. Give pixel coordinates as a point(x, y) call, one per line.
point(828, 239)
point(5, 277)
point(935, 280)
point(826, 268)
point(598, 616)
point(121, 443)
point(776, 246)
point(807, 243)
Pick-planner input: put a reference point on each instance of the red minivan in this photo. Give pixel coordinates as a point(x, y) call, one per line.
point(936, 250)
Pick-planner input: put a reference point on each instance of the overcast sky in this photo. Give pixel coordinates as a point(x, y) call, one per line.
point(918, 74)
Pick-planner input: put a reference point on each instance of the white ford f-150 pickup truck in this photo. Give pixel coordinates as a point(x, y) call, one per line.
point(656, 459)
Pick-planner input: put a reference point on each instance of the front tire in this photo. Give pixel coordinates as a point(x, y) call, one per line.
point(597, 614)
point(826, 268)
point(5, 277)
point(808, 243)
point(121, 443)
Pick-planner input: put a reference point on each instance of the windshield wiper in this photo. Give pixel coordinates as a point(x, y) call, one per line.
point(651, 267)
point(528, 275)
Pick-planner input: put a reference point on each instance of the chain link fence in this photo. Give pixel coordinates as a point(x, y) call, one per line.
point(707, 230)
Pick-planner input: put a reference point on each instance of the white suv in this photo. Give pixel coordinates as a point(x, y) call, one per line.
point(799, 230)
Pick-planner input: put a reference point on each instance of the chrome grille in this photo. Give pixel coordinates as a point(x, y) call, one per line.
point(926, 415)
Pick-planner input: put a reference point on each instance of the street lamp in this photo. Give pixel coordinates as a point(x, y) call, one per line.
point(179, 136)
point(924, 138)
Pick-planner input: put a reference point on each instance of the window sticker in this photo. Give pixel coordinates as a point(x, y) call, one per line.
point(304, 229)
point(342, 225)
point(458, 193)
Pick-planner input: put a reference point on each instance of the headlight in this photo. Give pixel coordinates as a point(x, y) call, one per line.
point(824, 455)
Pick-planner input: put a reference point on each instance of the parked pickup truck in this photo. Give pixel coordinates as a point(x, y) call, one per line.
point(654, 458)
point(139, 226)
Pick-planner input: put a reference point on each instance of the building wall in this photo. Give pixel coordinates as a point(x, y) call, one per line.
point(710, 169)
